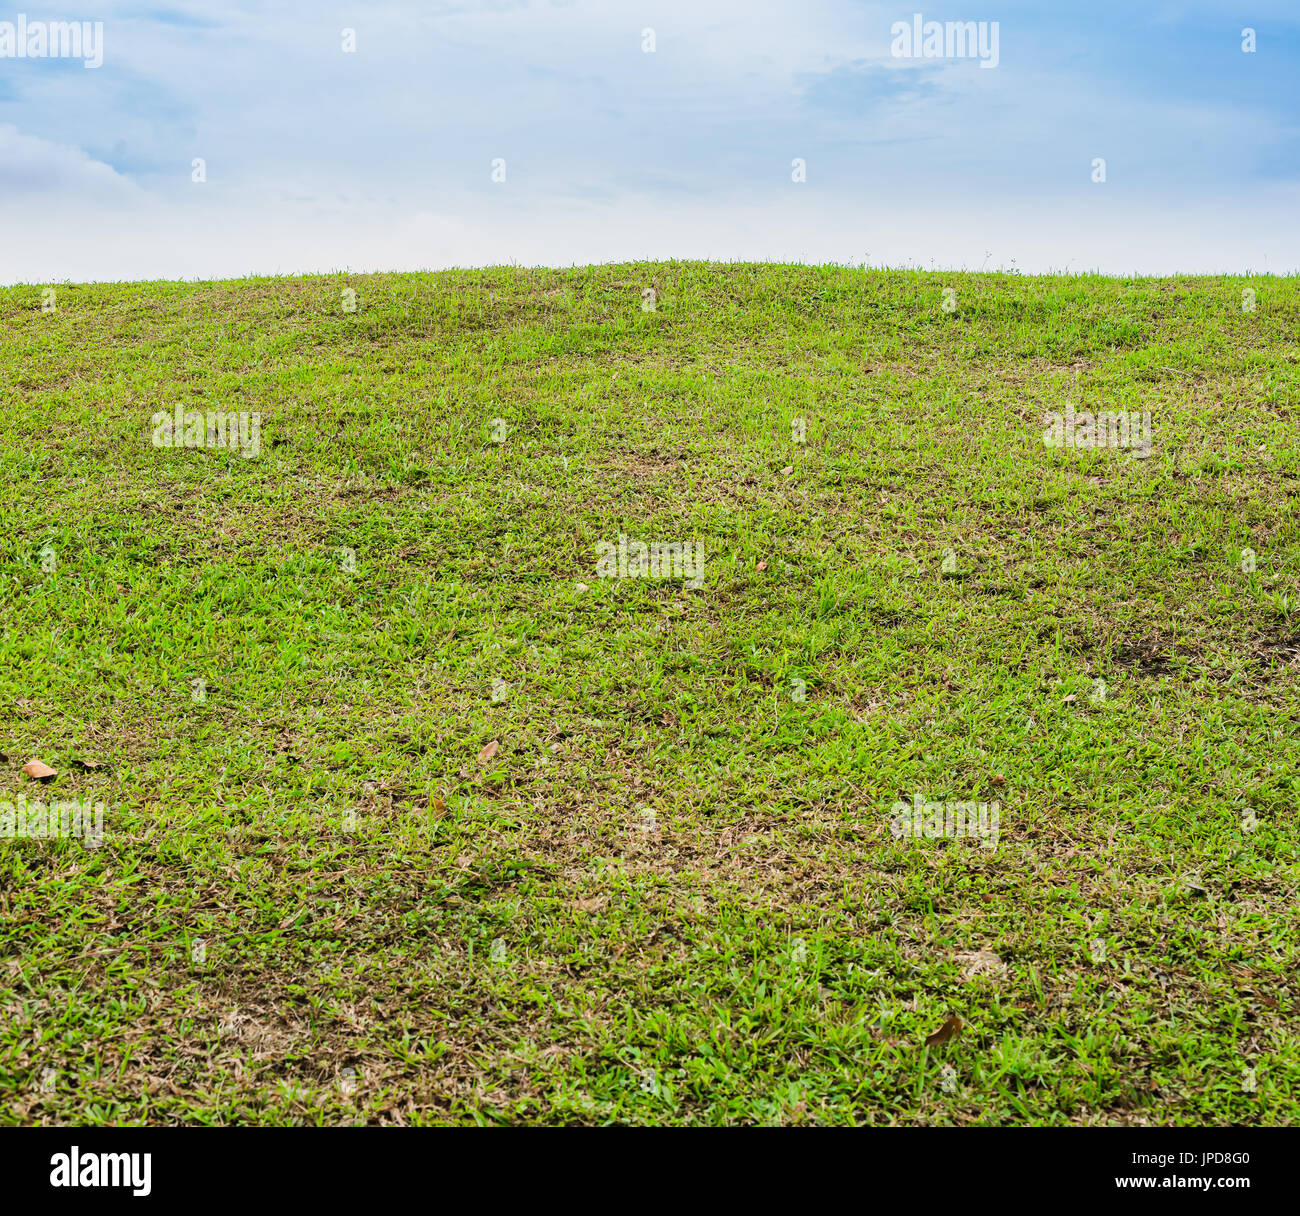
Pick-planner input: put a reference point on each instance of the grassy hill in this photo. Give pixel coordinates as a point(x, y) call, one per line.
point(675, 891)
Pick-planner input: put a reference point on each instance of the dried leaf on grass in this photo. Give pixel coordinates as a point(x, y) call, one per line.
point(952, 1025)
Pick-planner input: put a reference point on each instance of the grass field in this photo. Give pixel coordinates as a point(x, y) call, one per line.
point(672, 894)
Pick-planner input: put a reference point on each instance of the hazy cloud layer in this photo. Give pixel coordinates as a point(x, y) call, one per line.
point(319, 159)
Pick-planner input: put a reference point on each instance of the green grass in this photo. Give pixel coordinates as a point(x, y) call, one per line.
point(769, 953)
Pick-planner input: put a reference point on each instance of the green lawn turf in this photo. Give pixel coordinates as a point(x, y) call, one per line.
point(673, 894)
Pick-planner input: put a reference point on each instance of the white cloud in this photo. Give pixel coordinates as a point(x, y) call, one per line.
point(318, 160)
point(33, 166)
point(169, 241)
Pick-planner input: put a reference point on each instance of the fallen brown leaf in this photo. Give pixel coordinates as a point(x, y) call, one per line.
point(488, 752)
point(951, 1026)
point(38, 770)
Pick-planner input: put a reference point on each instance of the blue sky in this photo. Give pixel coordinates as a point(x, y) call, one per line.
point(382, 158)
